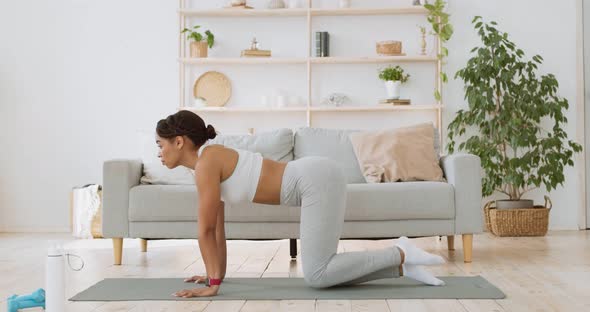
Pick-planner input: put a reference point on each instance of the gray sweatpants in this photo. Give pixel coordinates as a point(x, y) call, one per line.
point(318, 185)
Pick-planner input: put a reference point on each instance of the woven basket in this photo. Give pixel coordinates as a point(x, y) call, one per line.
point(518, 222)
point(390, 47)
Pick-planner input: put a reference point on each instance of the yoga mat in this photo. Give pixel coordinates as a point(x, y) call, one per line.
point(132, 289)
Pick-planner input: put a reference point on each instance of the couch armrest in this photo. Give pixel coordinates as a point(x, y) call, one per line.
point(463, 171)
point(119, 176)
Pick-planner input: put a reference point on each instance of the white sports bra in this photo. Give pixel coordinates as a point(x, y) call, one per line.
point(241, 185)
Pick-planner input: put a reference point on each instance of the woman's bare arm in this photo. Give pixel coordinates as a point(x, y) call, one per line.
point(220, 237)
point(208, 185)
point(221, 247)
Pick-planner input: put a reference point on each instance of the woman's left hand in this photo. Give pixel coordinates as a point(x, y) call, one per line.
point(198, 292)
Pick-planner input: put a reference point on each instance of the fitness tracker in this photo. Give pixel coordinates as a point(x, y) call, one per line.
point(213, 282)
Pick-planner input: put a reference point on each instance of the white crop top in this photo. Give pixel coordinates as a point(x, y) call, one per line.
point(241, 185)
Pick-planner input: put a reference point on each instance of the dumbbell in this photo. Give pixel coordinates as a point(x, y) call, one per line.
point(14, 306)
point(38, 296)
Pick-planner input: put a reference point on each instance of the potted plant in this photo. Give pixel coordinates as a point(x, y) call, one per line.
point(198, 47)
point(393, 77)
point(518, 118)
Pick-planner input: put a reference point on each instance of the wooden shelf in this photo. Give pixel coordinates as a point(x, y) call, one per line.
point(369, 11)
point(303, 60)
point(306, 16)
point(368, 108)
point(244, 60)
point(243, 12)
point(302, 12)
point(374, 59)
point(374, 108)
point(244, 109)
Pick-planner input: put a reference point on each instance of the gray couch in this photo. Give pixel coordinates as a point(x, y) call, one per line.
point(382, 210)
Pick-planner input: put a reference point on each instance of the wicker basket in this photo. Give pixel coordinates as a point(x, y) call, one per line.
point(518, 222)
point(389, 47)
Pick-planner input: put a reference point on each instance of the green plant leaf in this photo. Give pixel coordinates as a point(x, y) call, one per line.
point(210, 38)
point(437, 96)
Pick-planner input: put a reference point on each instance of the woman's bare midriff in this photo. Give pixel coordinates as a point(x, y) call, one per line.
point(268, 190)
point(269, 185)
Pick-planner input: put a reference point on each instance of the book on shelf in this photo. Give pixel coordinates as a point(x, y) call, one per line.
point(322, 44)
point(395, 102)
point(256, 53)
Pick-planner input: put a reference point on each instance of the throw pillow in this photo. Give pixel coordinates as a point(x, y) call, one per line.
point(392, 155)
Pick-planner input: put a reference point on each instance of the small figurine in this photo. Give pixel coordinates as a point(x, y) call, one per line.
point(254, 45)
point(254, 50)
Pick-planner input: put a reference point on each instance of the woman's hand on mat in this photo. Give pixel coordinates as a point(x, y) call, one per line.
point(198, 292)
point(197, 279)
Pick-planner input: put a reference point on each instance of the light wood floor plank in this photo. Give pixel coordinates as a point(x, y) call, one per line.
point(549, 273)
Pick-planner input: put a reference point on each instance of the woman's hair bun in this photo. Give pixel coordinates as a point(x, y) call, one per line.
point(211, 134)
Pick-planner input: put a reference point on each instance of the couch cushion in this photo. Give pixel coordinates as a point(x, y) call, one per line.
point(335, 144)
point(163, 203)
point(276, 145)
point(365, 202)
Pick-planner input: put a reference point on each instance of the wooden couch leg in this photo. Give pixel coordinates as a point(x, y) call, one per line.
point(293, 248)
point(143, 243)
point(467, 247)
point(451, 242)
point(118, 249)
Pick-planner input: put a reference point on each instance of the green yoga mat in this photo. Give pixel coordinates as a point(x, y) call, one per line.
point(133, 289)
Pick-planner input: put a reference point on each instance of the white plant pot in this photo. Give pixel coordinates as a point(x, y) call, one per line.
point(392, 89)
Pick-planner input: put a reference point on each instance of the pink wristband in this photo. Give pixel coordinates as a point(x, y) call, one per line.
point(213, 281)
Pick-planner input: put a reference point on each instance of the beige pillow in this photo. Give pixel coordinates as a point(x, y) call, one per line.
point(403, 154)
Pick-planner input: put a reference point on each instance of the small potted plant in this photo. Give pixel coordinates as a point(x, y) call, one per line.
point(393, 77)
point(198, 47)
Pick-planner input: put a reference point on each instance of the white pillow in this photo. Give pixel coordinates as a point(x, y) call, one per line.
point(274, 144)
point(154, 172)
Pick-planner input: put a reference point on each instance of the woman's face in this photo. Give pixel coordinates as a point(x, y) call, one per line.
point(168, 153)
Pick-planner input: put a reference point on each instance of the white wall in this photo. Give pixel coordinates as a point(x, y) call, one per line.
point(79, 79)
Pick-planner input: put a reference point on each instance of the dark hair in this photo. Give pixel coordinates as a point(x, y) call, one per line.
point(186, 123)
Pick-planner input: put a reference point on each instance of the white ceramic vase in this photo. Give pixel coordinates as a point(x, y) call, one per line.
point(392, 88)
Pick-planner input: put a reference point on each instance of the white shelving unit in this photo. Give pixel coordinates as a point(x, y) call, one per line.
point(184, 13)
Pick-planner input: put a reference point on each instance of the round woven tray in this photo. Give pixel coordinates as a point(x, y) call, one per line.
point(518, 222)
point(214, 87)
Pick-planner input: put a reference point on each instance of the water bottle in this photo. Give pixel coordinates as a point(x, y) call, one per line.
point(55, 283)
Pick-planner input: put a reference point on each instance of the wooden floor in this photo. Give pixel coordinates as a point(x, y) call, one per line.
point(549, 273)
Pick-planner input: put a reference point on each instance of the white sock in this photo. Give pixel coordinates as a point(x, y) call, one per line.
point(415, 255)
point(417, 273)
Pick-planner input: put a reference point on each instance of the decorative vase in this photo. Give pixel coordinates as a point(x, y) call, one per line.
point(294, 4)
point(199, 49)
point(423, 45)
point(344, 3)
point(276, 4)
point(392, 89)
point(200, 102)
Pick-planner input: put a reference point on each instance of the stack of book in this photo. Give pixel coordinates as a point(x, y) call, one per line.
point(395, 101)
point(256, 53)
point(322, 44)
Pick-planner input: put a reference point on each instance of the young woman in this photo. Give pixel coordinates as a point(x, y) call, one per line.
point(316, 184)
